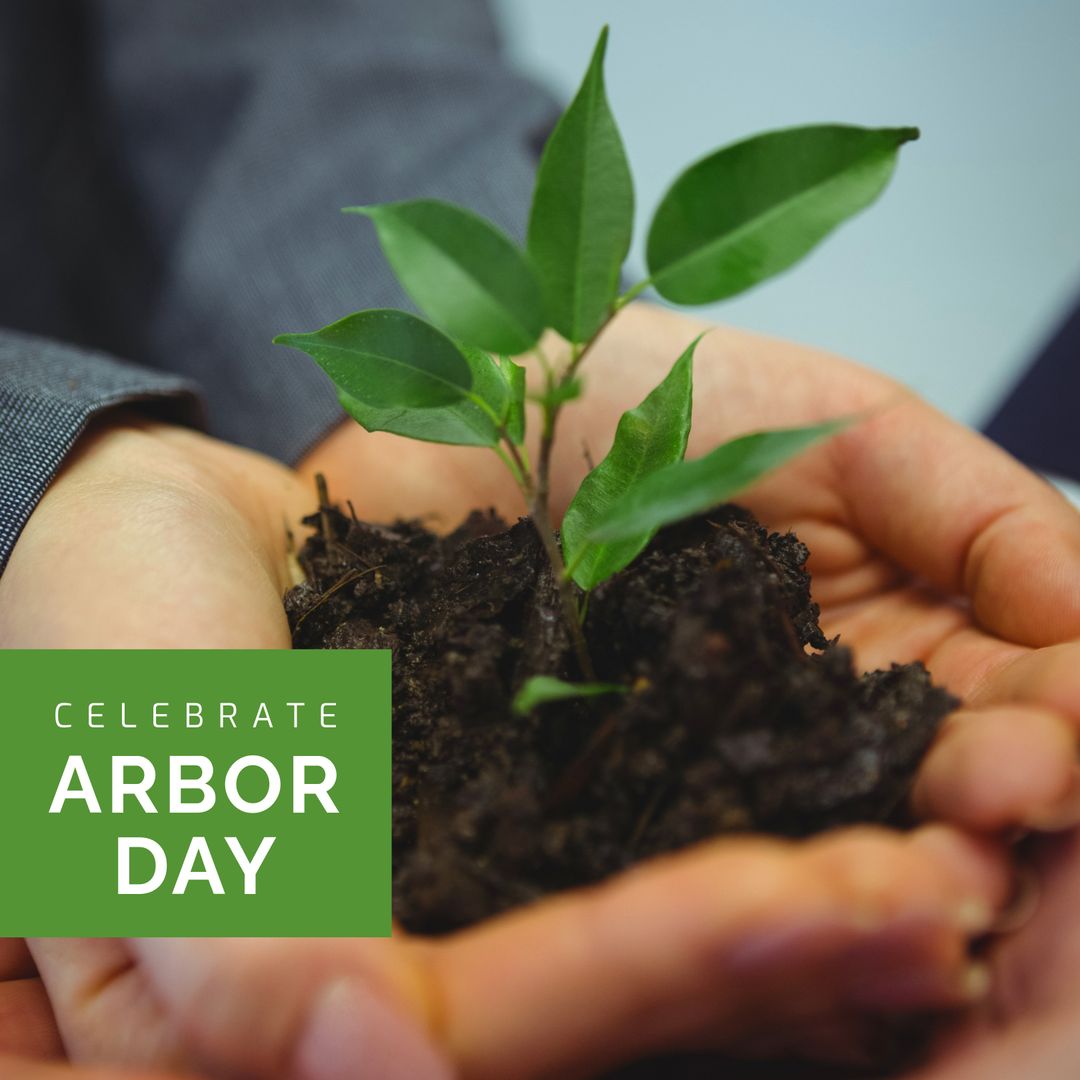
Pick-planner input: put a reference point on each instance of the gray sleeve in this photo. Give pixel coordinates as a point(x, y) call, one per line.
point(246, 127)
point(48, 393)
point(175, 199)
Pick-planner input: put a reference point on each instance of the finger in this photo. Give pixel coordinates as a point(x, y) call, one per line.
point(27, 1026)
point(19, 1068)
point(675, 948)
point(101, 1003)
point(1049, 677)
point(1038, 966)
point(15, 959)
point(314, 1009)
point(1001, 767)
point(953, 508)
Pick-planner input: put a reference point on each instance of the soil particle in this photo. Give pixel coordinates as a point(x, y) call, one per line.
point(741, 717)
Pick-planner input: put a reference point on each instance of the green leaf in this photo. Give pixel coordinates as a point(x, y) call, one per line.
point(752, 209)
point(464, 423)
point(387, 359)
point(462, 271)
point(648, 438)
point(583, 210)
point(541, 689)
point(514, 376)
point(692, 487)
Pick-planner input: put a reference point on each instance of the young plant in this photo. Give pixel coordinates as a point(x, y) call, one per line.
point(736, 217)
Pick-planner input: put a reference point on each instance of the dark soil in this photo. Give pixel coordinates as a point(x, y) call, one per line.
point(742, 716)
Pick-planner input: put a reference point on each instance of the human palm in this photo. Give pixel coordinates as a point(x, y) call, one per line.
point(1028, 1026)
point(927, 543)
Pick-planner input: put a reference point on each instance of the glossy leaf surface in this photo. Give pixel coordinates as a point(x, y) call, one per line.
point(693, 487)
point(388, 359)
point(463, 423)
point(542, 689)
point(648, 438)
point(514, 379)
point(752, 209)
point(583, 210)
point(466, 275)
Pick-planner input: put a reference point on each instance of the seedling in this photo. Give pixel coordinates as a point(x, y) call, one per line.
point(736, 217)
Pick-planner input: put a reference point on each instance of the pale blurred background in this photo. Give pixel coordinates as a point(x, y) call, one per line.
point(956, 277)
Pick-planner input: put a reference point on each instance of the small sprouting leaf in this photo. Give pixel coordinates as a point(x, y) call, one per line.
point(541, 689)
point(583, 210)
point(560, 393)
point(463, 272)
point(464, 423)
point(754, 208)
point(514, 375)
point(648, 438)
point(388, 359)
point(692, 487)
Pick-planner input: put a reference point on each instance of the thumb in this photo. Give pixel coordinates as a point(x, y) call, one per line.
point(309, 1010)
point(21, 1069)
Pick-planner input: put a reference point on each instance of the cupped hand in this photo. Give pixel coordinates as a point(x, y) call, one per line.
point(154, 536)
point(158, 536)
point(1029, 1024)
point(30, 1046)
point(721, 946)
point(927, 542)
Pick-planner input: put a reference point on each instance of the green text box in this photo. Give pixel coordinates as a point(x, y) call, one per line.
point(326, 873)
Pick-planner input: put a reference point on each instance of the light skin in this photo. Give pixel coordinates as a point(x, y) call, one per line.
point(927, 544)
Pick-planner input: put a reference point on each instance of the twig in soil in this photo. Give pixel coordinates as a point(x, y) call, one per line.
point(577, 772)
point(351, 576)
point(292, 560)
point(647, 815)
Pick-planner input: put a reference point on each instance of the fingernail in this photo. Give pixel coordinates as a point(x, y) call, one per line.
point(974, 916)
point(912, 964)
point(976, 982)
point(918, 987)
point(352, 1031)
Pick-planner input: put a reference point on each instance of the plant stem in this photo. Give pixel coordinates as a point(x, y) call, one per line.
point(519, 477)
point(551, 414)
point(540, 513)
point(537, 487)
point(545, 364)
point(541, 518)
point(517, 463)
point(632, 293)
point(540, 508)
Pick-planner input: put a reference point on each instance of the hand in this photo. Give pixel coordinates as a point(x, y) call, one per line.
point(140, 501)
point(1030, 1025)
point(147, 510)
point(30, 1047)
point(154, 536)
point(927, 542)
point(720, 946)
point(682, 895)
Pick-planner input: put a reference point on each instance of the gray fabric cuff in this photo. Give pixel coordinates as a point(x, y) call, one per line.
point(48, 394)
